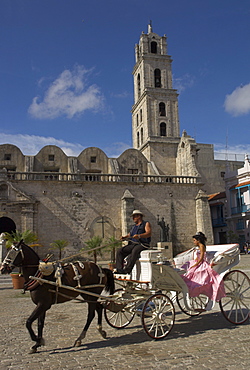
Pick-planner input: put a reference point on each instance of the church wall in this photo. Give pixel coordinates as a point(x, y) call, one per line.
point(132, 159)
point(163, 155)
point(16, 205)
point(68, 210)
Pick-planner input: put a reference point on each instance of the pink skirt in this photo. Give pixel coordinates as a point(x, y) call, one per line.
point(202, 279)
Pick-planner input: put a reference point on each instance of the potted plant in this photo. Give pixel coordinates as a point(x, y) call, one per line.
point(17, 280)
point(93, 243)
point(59, 244)
point(112, 245)
point(15, 237)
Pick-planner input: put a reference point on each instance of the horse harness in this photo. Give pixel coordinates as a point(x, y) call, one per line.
point(56, 270)
point(52, 270)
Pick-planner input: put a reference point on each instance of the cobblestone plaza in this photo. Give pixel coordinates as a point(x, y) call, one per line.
point(208, 341)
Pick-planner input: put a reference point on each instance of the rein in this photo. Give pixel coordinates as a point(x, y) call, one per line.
point(86, 250)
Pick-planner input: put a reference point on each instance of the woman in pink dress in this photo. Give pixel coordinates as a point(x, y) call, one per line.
point(200, 277)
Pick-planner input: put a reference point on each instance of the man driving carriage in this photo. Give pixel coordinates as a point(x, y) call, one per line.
point(140, 237)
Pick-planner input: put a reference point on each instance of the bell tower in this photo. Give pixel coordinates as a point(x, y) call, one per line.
point(155, 118)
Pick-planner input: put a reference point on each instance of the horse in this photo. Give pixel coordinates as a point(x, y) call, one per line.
point(87, 276)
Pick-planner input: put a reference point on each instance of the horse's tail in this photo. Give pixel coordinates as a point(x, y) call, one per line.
point(110, 285)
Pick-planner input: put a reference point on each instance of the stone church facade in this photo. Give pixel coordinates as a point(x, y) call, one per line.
point(165, 173)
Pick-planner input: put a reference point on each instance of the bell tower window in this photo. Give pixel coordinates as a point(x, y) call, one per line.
point(163, 129)
point(162, 109)
point(157, 74)
point(154, 47)
point(140, 115)
point(139, 84)
point(141, 136)
point(138, 139)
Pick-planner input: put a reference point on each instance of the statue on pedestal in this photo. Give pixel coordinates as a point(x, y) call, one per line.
point(164, 234)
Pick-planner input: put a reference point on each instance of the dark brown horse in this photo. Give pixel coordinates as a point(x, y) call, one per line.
point(77, 275)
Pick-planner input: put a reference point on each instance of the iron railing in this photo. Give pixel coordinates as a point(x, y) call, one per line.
point(219, 222)
point(240, 209)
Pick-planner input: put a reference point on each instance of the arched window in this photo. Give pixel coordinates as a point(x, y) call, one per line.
point(154, 47)
point(157, 77)
point(163, 129)
point(162, 109)
point(138, 139)
point(141, 136)
point(140, 115)
point(139, 84)
point(137, 120)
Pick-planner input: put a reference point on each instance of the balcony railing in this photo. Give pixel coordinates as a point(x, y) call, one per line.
point(240, 209)
point(240, 225)
point(100, 177)
point(219, 222)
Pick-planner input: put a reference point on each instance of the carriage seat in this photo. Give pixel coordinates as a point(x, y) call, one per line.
point(223, 256)
point(142, 269)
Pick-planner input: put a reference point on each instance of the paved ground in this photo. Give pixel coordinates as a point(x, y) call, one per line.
point(208, 341)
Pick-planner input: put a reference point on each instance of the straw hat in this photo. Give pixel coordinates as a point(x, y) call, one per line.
point(136, 212)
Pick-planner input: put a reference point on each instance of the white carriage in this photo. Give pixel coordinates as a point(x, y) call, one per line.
point(155, 285)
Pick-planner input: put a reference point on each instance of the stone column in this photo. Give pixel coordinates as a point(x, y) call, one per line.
point(203, 216)
point(127, 208)
point(27, 217)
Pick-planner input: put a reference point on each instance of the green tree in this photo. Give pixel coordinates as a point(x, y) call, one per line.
point(15, 237)
point(92, 243)
point(60, 245)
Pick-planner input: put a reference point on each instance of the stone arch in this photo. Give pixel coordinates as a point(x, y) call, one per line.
point(153, 47)
point(11, 158)
point(51, 158)
point(7, 225)
point(102, 226)
point(157, 77)
point(93, 160)
point(163, 129)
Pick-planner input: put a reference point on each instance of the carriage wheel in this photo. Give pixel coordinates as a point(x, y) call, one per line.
point(196, 303)
point(120, 319)
point(235, 306)
point(158, 316)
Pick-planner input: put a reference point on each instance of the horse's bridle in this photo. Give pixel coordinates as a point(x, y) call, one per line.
point(8, 262)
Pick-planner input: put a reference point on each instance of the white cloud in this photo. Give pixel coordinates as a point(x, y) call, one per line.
point(116, 149)
point(238, 102)
point(67, 96)
point(231, 152)
point(31, 144)
point(184, 82)
point(122, 95)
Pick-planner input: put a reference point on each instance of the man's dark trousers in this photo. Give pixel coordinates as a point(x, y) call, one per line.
point(133, 251)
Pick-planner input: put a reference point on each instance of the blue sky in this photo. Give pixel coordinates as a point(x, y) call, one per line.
point(66, 71)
